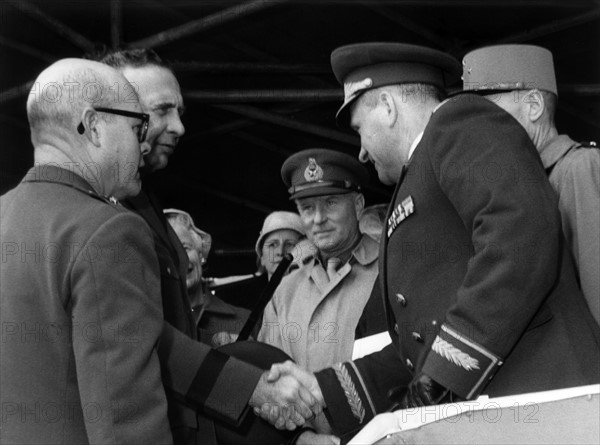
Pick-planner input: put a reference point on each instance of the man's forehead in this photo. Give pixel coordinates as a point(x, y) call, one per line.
point(356, 111)
point(309, 199)
point(154, 83)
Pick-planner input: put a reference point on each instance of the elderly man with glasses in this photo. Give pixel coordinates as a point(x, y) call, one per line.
point(81, 310)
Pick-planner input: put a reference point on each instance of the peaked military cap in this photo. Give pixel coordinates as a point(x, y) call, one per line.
point(509, 67)
point(319, 171)
point(363, 66)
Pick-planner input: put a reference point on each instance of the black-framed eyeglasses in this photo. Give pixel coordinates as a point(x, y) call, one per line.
point(142, 129)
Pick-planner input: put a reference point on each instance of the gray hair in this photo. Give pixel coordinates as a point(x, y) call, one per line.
point(407, 91)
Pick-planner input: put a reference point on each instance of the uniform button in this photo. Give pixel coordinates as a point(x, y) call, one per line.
point(400, 299)
point(396, 329)
point(417, 337)
point(409, 364)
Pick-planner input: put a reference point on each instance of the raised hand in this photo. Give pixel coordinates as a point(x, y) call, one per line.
point(285, 401)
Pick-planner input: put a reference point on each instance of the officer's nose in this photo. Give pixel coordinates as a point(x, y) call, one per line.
point(145, 148)
point(363, 156)
point(175, 125)
point(320, 215)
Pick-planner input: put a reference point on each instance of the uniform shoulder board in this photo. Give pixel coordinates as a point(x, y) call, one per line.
point(588, 144)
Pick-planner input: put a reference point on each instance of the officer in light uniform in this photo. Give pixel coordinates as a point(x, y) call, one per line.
point(316, 310)
point(481, 297)
point(521, 80)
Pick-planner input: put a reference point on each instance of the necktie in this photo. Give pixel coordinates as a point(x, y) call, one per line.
point(332, 265)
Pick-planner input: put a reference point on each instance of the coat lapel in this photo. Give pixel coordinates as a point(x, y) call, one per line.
point(145, 206)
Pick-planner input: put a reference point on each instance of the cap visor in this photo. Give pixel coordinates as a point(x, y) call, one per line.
point(320, 191)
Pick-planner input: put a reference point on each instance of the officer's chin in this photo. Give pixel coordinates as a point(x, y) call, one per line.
point(129, 190)
point(154, 162)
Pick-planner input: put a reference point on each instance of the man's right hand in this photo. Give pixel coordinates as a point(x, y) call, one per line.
point(283, 400)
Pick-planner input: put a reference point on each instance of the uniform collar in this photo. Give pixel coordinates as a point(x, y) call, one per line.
point(365, 252)
point(414, 144)
point(57, 175)
point(420, 135)
point(555, 149)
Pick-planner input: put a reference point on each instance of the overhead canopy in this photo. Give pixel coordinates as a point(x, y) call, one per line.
point(258, 86)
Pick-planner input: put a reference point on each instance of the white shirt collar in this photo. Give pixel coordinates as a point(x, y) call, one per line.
point(414, 144)
point(420, 135)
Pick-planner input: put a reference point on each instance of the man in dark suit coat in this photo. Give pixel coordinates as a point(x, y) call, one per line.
point(194, 374)
point(481, 295)
point(80, 310)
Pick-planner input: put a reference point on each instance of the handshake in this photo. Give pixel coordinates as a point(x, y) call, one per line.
point(288, 397)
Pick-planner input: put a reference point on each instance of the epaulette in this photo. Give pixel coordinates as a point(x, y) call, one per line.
point(587, 144)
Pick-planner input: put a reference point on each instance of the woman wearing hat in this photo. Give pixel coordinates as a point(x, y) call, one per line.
point(280, 233)
point(215, 319)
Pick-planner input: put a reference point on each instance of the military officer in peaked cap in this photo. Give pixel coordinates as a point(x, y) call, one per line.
point(521, 80)
point(479, 296)
point(319, 310)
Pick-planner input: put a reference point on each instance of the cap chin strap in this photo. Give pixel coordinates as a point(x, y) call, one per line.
point(310, 185)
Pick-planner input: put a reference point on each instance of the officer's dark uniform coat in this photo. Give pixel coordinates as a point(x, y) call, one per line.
point(479, 292)
point(194, 375)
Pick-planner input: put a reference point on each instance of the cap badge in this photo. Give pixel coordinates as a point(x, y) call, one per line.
point(313, 171)
point(351, 88)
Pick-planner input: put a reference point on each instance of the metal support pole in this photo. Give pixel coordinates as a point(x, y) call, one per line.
point(61, 29)
point(551, 28)
point(409, 25)
point(16, 92)
point(282, 121)
point(203, 24)
point(225, 96)
point(248, 67)
point(26, 49)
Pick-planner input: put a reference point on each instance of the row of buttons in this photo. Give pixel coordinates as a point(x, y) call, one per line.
point(415, 335)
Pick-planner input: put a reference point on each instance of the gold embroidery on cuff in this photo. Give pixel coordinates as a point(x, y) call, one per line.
point(454, 355)
point(350, 390)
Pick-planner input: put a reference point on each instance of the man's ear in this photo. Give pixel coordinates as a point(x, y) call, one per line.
point(359, 204)
point(534, 105)
point(389, 107)
point(89, 126)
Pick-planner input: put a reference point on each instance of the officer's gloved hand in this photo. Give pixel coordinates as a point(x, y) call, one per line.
point(423, 391)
